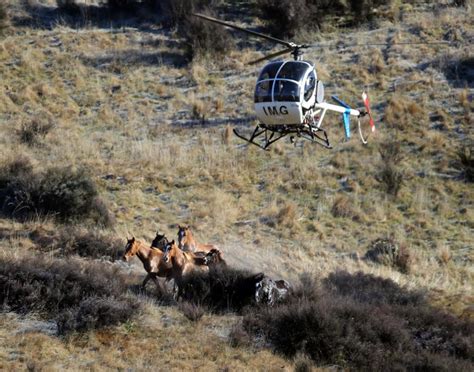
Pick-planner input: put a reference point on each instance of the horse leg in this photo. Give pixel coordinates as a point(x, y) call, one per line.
point(147, 278)
point(158, 284)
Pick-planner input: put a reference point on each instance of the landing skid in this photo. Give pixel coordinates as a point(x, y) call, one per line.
point(269, 135)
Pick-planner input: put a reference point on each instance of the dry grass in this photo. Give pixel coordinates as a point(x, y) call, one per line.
point(122, 104)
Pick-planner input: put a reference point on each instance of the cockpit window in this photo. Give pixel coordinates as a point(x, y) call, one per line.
point(309, 86)
point(293, 70)
point(270, 70)
point(263, 91)
point(286, 91)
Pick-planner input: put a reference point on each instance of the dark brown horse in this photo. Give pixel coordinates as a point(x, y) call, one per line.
point(187, 243)
point(159, 242)
point(214, 257)
point(151, 259)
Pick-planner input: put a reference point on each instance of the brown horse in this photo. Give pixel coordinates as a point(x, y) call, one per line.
point(187, 243)
point(182, 263)
point(151, 259)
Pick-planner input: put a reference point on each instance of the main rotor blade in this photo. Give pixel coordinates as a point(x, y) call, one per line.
point(258, 34)
point(326, 44)
point(270, 56)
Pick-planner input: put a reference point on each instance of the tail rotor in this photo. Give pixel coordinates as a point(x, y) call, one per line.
point(366, 100)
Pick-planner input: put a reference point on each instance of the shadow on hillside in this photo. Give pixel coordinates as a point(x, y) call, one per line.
point(209, 123)
point(460, 73)
point(135, 58)
point(81, 16)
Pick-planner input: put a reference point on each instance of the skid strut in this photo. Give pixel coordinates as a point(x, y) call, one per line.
point(269, 136)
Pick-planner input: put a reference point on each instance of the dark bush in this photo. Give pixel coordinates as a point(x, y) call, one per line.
point(3, 17)
point(96, 312)
point(68, 6)
point(362, 322)
point(177, 11)
point(78, 295)
point(222, 289)
point(65, 193)
point(204, 38)
point(91, 244)
point(465, 161)
point(371, 289)
point(73, 240)
point(288, 17)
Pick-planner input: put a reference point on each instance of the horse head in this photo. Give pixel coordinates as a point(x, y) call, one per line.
point(168, 251)
point(160, 241)
point(131, 248)
point(214, 256)
point(183, 233)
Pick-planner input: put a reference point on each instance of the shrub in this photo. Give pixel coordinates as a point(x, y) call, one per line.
point(222, 289)
point(362, 322)
point(192, 311)
point(390, 174)
point(31, 131)
point(465, 162)
point(96, 312)
point(389, 252)
point(204, 38)
point(286, 18)
point(68, 6)
point(343, 207)
point(3, 17)
point(73, 240)
point(65, 193)
point(78, 295)
point(391, 178)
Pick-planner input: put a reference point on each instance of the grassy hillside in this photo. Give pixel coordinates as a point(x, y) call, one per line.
point(146, 137)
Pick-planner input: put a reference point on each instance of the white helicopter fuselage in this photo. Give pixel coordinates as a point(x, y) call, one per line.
point(289, 92)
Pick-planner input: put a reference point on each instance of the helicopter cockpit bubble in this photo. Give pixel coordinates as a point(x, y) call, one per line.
point(293, 70)
point(270, 70)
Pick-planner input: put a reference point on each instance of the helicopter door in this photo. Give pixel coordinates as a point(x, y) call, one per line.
point(263, 91)
point(309, 90)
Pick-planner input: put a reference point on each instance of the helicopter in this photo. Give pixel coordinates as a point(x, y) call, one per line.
point(289, 98)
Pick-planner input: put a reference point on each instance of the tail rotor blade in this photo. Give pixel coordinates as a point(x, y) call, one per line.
point(365, 98)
